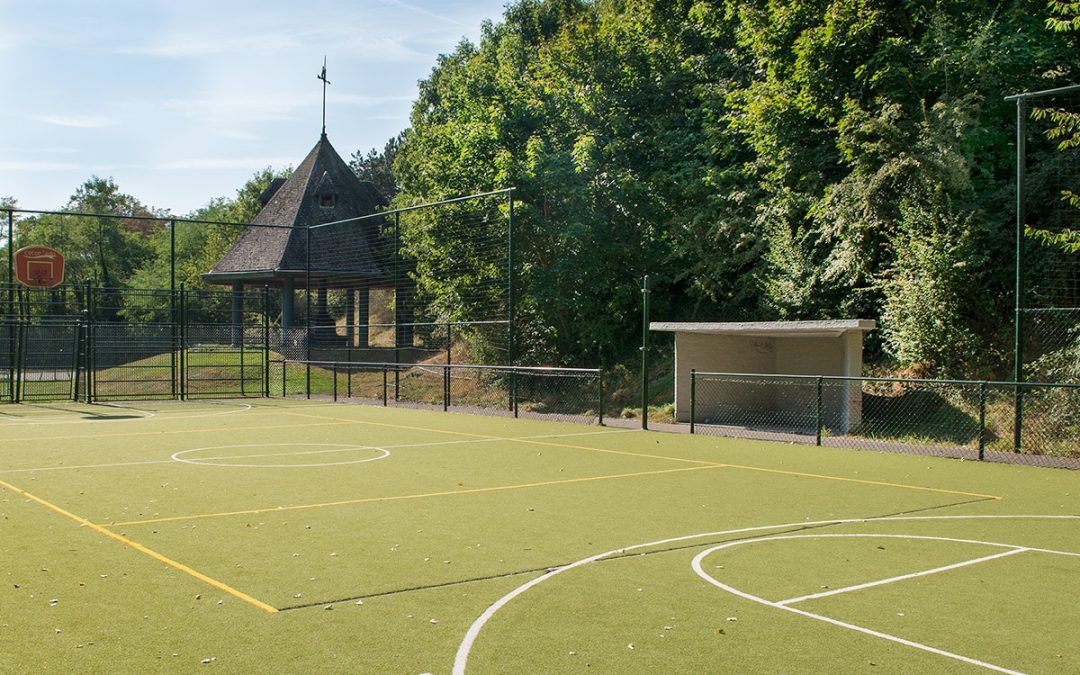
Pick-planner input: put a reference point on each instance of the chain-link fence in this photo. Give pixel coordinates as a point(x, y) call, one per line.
point(1048, 204)
point(79, 342)
point(563, 394)
point(965, 419)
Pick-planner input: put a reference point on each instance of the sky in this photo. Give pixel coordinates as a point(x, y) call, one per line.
point(182, 101)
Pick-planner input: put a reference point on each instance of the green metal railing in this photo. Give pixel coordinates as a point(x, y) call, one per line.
point(567, 394)
point(957, 418)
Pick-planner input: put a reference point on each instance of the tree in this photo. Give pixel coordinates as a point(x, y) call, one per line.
point(105, 243)
point(603, 116)
point(377, 167)
point(199, 245)
point(757, 158)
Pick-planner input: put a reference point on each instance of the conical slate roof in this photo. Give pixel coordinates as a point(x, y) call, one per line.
point(322, 190)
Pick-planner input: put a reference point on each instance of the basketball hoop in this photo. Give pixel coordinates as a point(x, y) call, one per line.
point(39, 266)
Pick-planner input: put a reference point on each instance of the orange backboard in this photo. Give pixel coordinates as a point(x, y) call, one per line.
point(39, 266)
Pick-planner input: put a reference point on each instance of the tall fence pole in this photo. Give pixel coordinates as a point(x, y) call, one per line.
point(397, 306)
point(600, 384)
point(1018, 333)
point(10, 312)
point(307, 311)
point(645, 353)
point(266, 341)
point(510, 356)
point(181, 343)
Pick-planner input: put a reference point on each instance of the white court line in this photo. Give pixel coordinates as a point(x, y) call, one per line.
point(388, 447)
point(461, 657)
point(338, 447)
point(902, 577)
point(696, 565)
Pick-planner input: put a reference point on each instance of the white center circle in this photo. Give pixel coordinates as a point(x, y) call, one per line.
point(223, 455)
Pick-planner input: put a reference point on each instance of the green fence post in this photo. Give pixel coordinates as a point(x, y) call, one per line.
point(513, 392)
point(446, 388)
point(266, 341)
point(1018, 328)
point(982, 420)
point(645, 353)
point(91, 345)
point(77, 362)
point(600, 384)
point(182, 375)
point(1018, 418)
point(334, 388)
point(384, 385)
point(693, 398)
point(818, 422)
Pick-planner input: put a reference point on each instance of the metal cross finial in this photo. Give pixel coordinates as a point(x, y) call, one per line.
point(322, 76)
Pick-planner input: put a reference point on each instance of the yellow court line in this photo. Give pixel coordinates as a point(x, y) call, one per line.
point(489, 437)
point(863, 481)
point(673, 459)
point(395, 498)
point(143, 549)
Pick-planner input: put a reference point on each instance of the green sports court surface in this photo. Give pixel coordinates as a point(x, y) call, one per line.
point(301, 536)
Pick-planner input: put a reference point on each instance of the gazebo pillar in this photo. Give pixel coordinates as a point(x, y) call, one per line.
point(287, 302)
point(363, 306)
point(403, 317)
point(323, 325)
point(350, 316)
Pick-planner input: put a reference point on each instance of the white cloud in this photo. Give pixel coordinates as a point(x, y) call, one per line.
point(77, 121)
point(251, 163)
point(365, 101)
point(237, 109)
point(182, 45)
point(428, 13)
point(35, 165)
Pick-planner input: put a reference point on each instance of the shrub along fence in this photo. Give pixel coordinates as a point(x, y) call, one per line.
point(953, 418)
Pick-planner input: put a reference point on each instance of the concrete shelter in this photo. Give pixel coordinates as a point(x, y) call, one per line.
point(768, 347)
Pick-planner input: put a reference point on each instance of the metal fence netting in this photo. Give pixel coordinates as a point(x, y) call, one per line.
point(964, 419)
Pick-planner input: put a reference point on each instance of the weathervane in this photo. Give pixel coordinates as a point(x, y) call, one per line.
point(322, 76)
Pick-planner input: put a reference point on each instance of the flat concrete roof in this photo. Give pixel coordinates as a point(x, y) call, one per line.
point(768, 328)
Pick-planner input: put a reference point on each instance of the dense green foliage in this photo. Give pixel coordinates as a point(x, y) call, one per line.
point(377, 167)
point(798, 159)
point(130, 246)
point(780, 159)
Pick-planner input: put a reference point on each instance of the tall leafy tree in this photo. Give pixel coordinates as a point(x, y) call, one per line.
point(377, 167)
point(102, 247)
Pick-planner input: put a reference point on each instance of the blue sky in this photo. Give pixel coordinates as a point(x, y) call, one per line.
point(180, 101)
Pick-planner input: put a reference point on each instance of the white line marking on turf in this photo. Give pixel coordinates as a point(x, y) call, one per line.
point(696, 564)
point(902, 577)
point(461, 657)
point(337, 447)
point(385, 447)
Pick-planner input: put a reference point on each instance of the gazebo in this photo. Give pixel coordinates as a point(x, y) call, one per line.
point(273, 251)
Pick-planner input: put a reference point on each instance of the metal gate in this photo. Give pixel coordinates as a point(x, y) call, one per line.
point(86, 344)
point(40, 359)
